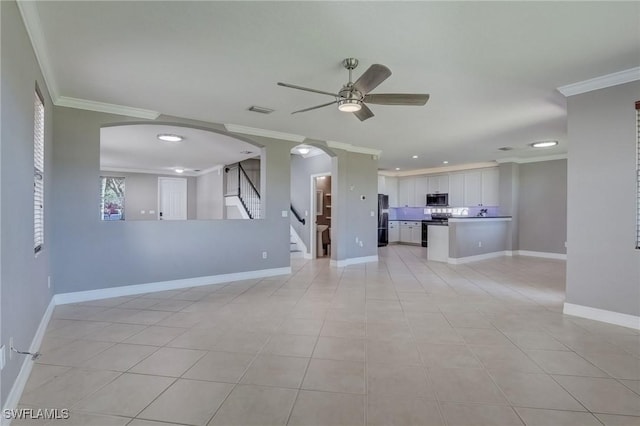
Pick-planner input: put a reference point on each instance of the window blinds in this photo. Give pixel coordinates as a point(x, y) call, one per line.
point(38, 173)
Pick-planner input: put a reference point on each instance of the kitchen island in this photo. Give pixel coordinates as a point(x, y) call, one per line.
point(467, 239)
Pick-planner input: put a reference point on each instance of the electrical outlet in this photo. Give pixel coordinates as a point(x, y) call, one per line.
point(479, 243)
point(361, 245)
point(285, 213)
point(357, 240)
point(3, 359)
point(264, 254)
point(373, 213)
point(10, 348)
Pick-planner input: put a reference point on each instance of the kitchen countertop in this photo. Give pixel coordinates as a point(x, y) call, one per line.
point(480, 218)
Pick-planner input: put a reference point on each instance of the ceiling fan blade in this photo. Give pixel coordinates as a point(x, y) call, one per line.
point(306, 89)
point(315, 107)
point(397, 99)
point(371, 78)
point(364, 113)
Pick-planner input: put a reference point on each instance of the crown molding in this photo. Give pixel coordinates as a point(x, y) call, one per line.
point(85, 104)
point(31, 19)
point(435, 170)
point(235, 128)
point(609, 80)
point(521, 160)
point(353, 148)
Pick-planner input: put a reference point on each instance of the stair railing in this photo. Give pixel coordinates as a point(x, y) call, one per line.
point(297, 215)
point(248, 194)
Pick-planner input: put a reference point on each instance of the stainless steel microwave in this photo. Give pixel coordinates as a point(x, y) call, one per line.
point(437, 199)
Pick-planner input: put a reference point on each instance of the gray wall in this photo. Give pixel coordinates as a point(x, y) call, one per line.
point(152, 251)
point(464, 237)
point(23, 279)
point(603, 266)
point(301, 171)
point(542, 206)
point(209, 195)
point(509, 183)
point(141, 193)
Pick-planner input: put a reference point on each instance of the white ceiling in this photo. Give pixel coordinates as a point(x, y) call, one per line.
point(136, 148)
point(492, 69)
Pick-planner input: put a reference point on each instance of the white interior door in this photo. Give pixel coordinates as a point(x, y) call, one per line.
point(172, 198)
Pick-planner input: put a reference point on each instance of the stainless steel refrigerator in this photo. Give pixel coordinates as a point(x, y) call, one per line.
point(383, 220)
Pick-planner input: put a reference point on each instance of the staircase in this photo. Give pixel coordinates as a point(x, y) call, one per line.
point(243, 194)
point(295, 244)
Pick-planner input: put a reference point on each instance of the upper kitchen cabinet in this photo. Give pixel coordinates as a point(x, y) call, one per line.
point(438, 184)
point(389, 185)
point(456, 190)
point(490, 187)
point(421, 190)
point(481, 187)
point(407, 192)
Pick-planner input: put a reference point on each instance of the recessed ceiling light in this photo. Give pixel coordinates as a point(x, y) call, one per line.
point(169, 137)
point(303, 150)
point(261, 110)
point(414, 156)
point(544, 144)
point(178, 170)
point(246, 152)
point(397, 168)
point(445, 162)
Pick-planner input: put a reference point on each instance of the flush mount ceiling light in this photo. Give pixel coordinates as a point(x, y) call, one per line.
point(445, 162)
point(544, 144)
point(349, 105)
point(178, 170)
point(414, 156)
point(303, 150)
point(167, 137)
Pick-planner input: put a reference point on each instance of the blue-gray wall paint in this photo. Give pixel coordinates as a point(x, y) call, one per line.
point(603, 266)
point(23, 277)
point(542, 206)
point(92, 254)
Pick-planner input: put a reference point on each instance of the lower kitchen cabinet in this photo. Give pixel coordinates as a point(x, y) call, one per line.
point(394, 232)
point(411, 232)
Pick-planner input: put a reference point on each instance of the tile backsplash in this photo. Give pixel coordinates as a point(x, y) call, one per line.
point(420, 213)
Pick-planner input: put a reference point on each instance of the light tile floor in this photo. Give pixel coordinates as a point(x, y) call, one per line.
point(403, 341)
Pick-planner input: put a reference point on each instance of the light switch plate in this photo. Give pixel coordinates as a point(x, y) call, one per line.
point(285, 213)
point(2, 356)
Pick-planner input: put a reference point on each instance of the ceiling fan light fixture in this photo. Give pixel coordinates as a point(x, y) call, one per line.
point(349, 105)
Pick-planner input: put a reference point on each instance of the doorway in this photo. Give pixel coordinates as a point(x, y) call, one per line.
point(321, 208)
point(172, 198)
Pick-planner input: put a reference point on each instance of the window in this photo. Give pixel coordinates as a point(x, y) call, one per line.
point(112, 198)
point(638, 174)
point(38, 172)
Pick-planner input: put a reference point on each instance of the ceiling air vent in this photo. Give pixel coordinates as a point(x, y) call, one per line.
point(261, 110)
point(505, 148)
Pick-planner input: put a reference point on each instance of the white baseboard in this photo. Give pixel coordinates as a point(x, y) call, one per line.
point(353, 261)
point(546, 255)
point(484, 256)
point(610, 317)
point(13, 398)
point(129, 290)
point(307, 255)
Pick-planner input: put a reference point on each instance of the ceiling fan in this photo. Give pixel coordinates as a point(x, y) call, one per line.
point(352, 96)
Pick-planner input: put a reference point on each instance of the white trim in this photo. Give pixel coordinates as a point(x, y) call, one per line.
point(13, 398)
point(609, 80)
point(235, 128)
point(521, 160)
point(460, 260)
point(234, 201)
point(307, 256)
point(436, 170)
point(610, 317)
point(85, 104)
point(313, 245)
point(129, 290)
point(31, 19)
point(546, 255)
point(353, 148)
point(353, 261)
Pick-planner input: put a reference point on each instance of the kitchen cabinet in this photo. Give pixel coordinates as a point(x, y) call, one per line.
point(438, 184)
point(406, 192)
point(490, 187)
point(473, 188)
point(411, 232)
point(394, 231)
point(456, 190)
point(421, 189)
point(389, 185)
